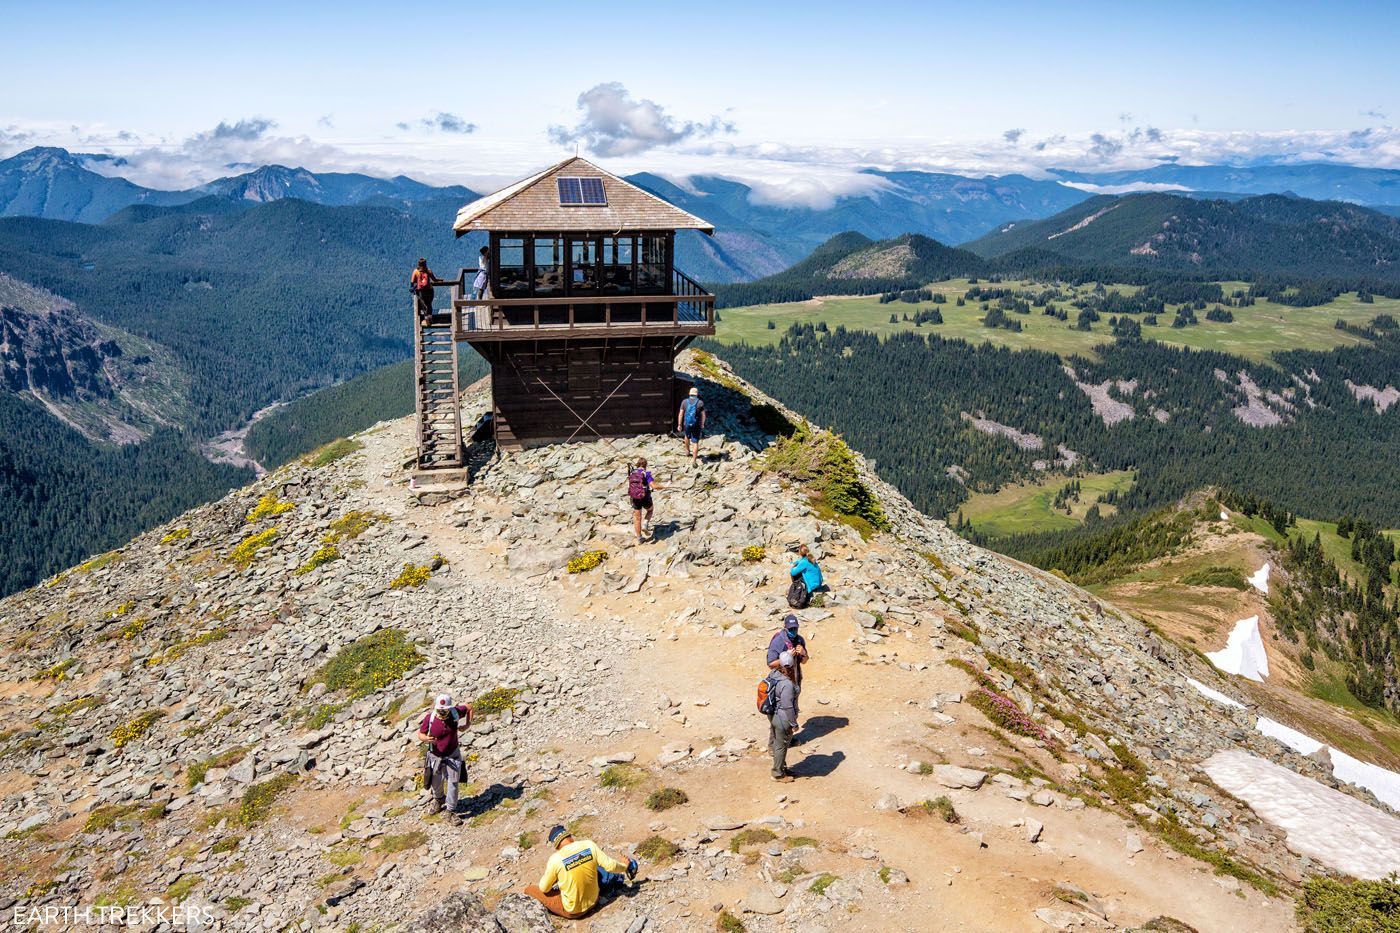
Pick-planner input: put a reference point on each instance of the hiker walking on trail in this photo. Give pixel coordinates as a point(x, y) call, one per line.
point(443, 768)
point(575, 874)
point(421, 282)
point(690, 421)
point(782, 720)
point(639, 487)
point(806, 573)
point(786, 639)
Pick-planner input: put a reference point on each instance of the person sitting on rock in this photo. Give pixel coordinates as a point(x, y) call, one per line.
point(786, 639)
point(804, 569)
point(575, 874)
point(639, 487)
point(443, 768)
point(782, 722)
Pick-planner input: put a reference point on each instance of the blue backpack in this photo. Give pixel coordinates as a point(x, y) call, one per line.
point(692, 413)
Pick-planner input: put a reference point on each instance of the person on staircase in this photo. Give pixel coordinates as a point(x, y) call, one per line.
point(575, 874)
point(443, 768)
point(639, 487)
point(690, 421)
point(421, 282)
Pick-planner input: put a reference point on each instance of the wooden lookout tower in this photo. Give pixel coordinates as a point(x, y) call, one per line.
point(585, 313)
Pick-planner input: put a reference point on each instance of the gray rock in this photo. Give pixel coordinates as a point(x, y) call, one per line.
point(457, 912)
point(519, 913)
point(760, 901)
point(954, 776)
point(719, 824)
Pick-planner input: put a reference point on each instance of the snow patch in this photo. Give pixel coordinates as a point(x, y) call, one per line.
point(1213, 694)
point(1322, 823)
point(1224, 515)
point(1243, 653)
point(1379, 781)
point(1260, 579)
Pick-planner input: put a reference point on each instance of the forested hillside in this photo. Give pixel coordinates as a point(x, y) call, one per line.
point(1181, 418)
point(257, 304)
point(63, 497)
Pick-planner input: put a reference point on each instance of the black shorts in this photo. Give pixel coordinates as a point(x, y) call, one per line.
point(643, 503)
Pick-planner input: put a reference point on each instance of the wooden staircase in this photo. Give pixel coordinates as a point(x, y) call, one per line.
point(435, 378)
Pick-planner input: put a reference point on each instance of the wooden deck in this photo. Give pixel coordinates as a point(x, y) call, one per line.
point(688, 312)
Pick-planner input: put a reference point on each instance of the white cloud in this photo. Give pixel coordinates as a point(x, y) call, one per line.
point(613, 124)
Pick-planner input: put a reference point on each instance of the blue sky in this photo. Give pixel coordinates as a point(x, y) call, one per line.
point(779, 92)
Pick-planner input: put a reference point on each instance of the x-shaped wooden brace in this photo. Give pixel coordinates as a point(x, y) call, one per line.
point(583, 422)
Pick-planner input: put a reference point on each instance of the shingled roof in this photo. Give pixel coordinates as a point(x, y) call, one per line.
point(533, 204)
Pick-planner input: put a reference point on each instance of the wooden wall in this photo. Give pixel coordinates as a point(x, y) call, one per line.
point(581, 372)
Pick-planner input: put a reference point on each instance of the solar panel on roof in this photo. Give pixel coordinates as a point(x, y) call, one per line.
point(570, 191)
point(592, 190)
point(579, 192)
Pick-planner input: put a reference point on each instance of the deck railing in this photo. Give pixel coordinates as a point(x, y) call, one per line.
point(688, 305)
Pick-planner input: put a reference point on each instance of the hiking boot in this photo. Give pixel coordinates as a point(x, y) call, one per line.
point(784, 778)
point(434, 808)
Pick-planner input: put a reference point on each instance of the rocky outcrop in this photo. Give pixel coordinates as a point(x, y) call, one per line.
point(224, 710)
point(107, 384)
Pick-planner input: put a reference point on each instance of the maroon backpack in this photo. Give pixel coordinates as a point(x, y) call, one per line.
point(637, 484)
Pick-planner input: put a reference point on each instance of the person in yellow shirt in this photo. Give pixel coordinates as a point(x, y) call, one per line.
point(579, 869)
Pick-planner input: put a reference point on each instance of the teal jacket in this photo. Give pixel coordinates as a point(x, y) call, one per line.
point(811, 573)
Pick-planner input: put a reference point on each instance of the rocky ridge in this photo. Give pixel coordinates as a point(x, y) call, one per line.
point(159, 703)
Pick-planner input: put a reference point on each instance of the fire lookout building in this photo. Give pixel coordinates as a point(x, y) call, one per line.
point(584, 314)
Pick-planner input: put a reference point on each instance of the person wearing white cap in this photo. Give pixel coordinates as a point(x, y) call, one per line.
point(443, 768)
point(782, 722)
point(690, 421)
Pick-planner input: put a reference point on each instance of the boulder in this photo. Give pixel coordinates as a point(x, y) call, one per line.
point(457, 912)
point(954, 776)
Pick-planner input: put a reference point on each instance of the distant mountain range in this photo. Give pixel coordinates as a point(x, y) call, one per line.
point(755, 237)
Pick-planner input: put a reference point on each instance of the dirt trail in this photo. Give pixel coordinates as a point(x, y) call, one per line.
point(867, 705)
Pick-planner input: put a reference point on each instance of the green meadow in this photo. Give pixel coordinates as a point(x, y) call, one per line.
point(1027, 507)
point(1256, 332)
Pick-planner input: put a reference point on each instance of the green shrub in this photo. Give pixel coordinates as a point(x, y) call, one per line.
point(351, 525)
point(823, 462)
point(401, 842)
point(225, 759)
point(623, 776)
point(586, 561)
point(820, 885)
point(1331, 905)
point(412, 575)
point(124, 735)
point(657, 849)
point(666, 798)
point(751, 837)
point(368, 664)
point(247, 550)
point(323, 555)
point(268, 506)
point(1217, 576)
point(728, 923)
point(495, 701)
point(753, 553)
point(942, 807)
point(330, 453)
point(258, 800)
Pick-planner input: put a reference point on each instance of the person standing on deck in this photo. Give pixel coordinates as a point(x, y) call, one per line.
point(690, 420)
point(483, 274)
